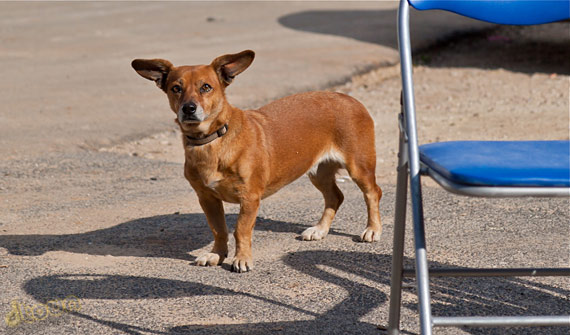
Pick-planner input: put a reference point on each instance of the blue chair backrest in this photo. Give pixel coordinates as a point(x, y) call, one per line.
point(519, 12)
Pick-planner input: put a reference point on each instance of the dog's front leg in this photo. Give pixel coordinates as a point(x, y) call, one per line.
point(214, 210)
point(243, 261)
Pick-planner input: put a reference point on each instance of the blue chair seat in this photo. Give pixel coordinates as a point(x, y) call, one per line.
point(500, 163)
point(524, 12)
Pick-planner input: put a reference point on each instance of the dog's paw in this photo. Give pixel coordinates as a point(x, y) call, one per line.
point(209, 259)
point(314, 234)
point(370, 235)
point(242, 265)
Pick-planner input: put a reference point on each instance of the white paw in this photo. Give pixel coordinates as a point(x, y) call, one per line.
point(242, 265)
point(209, 259)
point(370, 235)
point(314, 234)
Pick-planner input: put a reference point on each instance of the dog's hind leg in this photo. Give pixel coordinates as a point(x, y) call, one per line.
point(362, 171)
point(324, 180)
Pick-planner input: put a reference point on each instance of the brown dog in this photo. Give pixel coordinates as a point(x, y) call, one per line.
point(244, 156)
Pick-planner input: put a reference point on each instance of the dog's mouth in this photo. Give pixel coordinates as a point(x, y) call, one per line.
point(190, 122)
point(187, 125)
point(194, 128)
point(193, 118)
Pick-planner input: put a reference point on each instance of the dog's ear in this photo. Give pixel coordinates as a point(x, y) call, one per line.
point(229, 66)
point(156, 70)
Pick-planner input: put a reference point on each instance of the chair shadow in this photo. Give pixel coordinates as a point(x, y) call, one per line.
point(482, 47)
point(168, 236)
point(371, 26)
point(347, 270)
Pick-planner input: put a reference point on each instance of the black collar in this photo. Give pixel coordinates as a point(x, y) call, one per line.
point(195, 142)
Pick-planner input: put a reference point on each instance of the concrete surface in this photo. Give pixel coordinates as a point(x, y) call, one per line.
point(111, 235)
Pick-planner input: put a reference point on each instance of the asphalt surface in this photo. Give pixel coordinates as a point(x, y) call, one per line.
point(112, 236)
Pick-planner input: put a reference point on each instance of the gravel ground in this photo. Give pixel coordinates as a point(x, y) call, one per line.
point(126, 226)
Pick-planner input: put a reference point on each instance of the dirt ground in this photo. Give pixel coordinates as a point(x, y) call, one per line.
point(129, 266)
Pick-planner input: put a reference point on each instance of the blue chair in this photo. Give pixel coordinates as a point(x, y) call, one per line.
point(472, 168)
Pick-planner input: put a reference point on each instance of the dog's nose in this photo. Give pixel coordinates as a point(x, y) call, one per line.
point(189, 108)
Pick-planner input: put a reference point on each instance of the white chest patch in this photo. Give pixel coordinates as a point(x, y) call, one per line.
point(213, 184)
point(212, 180)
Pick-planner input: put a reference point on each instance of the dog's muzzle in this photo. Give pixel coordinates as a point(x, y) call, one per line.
point(190, 112)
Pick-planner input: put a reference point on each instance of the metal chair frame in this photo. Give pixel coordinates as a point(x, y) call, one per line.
point(409, 166)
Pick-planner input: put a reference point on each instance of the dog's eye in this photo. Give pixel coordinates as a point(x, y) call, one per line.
point(205, 88)
point(176, 89)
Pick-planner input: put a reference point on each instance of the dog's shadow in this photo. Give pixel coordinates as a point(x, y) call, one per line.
point(167, 236)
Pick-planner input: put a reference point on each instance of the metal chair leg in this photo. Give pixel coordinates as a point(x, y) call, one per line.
point(422, 271)
point(398, 248)
point(414, 164)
